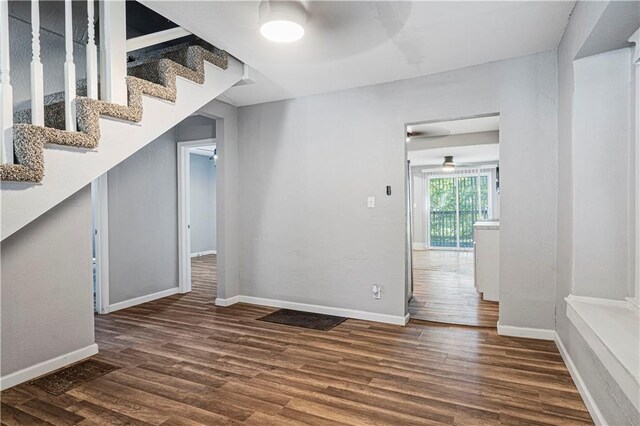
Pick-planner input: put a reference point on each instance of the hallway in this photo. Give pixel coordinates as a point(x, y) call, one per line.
point(444, 290)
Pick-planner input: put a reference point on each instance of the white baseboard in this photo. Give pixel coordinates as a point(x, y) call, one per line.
point(204, 253)
point(406, 319)
point(45, 367)
point(143, 299)
point(595, 412)
point(318, 309)
point(227, 302)
point(531, 333)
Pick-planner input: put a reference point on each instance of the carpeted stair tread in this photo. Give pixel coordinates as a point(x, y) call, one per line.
point(155, 78)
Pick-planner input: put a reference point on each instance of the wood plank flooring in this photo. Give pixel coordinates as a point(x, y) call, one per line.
point(186, 362)
point(443, 290)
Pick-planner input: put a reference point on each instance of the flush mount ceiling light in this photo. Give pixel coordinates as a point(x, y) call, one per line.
point(448, 164)
point(282, 21)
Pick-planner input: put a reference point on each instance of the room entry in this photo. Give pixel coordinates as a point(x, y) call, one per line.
point(453, 212)
point(197, 181)
point(198, 161)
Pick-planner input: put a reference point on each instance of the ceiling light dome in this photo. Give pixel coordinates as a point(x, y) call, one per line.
point(282, 21)
point(448, 164)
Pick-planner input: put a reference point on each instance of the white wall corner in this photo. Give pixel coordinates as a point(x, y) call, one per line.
point(48, 366)
point(227, 302)
point(530, 333)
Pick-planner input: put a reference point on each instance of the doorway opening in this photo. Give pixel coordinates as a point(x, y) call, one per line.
point(454, 210)
point(197, 216)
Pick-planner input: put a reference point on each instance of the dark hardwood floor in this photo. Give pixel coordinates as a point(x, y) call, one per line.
point(186, 362)
point(443, 290)
point(204, 274)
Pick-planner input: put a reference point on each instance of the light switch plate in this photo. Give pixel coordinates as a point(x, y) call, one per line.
point(371, 202)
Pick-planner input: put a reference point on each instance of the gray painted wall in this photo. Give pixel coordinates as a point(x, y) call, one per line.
point(203, 203)
point(47, 302)
point(578, 156)
point(196, 127)
point(143, 221)
point(307, 166)
point(602, 175)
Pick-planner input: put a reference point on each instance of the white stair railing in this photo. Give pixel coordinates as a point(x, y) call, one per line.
point(69, 70)
point(113, 51)
point(92, 54)
point(6, 91)
point(37, 78)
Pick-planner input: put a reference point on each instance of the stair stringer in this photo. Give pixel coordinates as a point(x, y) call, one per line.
point(70, 169)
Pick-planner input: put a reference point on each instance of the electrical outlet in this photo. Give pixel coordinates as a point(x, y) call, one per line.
point(377, 291)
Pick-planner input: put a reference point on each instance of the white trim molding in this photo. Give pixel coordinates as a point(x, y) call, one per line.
point(143, 299)
point(100, 205)
point(590, 403)
point(318, 309)
point(184, 210)
point(204, 253)
point(531, 333)
point(48, 366)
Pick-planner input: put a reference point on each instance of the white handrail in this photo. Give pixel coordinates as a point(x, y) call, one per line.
point(156, 38)
point(37, 77)
point(92, 54)
point(69, 70)
point(6, 91)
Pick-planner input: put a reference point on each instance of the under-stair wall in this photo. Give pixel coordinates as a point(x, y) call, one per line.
point(51, 161)
point(47, 313)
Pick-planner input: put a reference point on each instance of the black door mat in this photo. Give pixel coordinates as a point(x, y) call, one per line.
point(68, 378)
point(303, 319)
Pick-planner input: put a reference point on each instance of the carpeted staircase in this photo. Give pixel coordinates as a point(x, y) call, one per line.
point(154, 74)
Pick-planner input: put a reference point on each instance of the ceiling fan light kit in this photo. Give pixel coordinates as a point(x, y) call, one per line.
point(282, 21)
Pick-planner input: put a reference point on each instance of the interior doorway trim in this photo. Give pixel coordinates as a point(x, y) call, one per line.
point(184, 211)
point(100, 206)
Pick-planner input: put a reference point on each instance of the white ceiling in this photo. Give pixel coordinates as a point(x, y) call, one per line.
point(206, 150)
point(357, 43)
point(456, 127)
point(462, 155)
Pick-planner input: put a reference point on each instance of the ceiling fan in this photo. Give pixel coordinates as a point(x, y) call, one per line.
point(433, 132)
point(449, 165)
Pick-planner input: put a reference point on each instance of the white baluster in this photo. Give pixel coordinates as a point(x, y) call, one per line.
point(6, 91)
point(92, 55)
point(37, 79)
point(69, 71)
point(113, 51)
